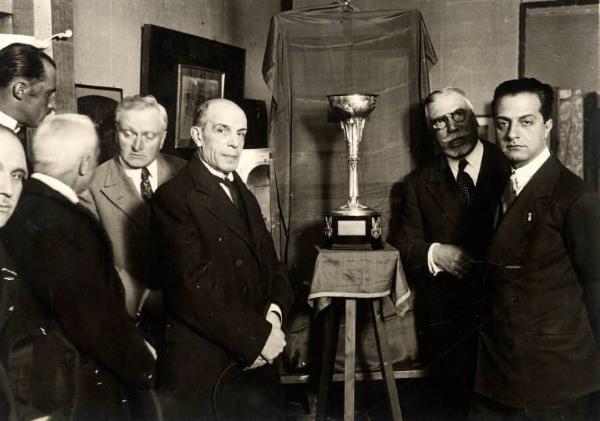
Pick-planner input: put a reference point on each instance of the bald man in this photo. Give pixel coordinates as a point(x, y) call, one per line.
point(226, 293)
point(65, 257)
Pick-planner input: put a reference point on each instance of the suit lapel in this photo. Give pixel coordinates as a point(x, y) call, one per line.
point(444, 192)
point(165, 171)
point(119, 189)
point(488, 171)
point(217, 201)
point(255, 218)
point(521, 216)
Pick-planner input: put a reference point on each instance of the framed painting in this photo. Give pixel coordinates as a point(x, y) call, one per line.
point(99, 103)
point(181, 70)
point(194, 86)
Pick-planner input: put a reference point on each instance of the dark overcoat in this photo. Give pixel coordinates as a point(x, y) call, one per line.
point(432, 210)
point(540, 347)
point(65, 257)
point(221, 276)
point(448, 310)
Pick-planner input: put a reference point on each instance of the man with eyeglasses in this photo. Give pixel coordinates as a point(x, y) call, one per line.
point(445, 223)
point(119, 195)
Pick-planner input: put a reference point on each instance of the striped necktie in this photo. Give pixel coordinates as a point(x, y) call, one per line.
point(145, 186)
point(465, 183)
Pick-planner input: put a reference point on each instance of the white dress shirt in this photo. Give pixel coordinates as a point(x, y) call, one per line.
point(472, 168)
point(521, 176)
point(58, 186)
point(9, 122)
point(473, 162)
point(222, 175)
point(135, 174)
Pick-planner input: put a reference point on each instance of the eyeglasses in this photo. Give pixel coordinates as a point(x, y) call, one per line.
point(146, 136)
point(459, 116)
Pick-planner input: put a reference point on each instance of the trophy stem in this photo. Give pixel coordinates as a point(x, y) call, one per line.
point(353, 129)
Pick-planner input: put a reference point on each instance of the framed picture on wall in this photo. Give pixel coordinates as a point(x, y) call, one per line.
point(194, 86)
point(99, 103)
point(175, 64)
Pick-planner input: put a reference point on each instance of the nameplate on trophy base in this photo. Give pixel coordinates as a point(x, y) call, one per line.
point(350, 232)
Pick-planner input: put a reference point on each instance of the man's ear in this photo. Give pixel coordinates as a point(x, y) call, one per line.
point(85, 165)
point(19, 88)
point(196, 133)
point(548, 127)
point(162, 140)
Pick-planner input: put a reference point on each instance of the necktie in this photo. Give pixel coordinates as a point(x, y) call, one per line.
point(145, 187)
point(233, 192)
point(465, 183)
point(510, 193)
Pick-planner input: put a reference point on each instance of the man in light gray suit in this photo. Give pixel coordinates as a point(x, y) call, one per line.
point(119, 194)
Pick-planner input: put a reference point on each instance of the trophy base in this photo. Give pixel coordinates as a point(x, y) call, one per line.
point(351, 231)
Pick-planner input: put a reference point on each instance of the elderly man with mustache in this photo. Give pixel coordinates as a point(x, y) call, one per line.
point(446, 222)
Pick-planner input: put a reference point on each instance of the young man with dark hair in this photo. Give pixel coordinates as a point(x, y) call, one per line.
point(27, 86)
point(539, 355)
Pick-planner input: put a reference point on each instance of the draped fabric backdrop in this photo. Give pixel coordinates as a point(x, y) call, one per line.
point(315, 52)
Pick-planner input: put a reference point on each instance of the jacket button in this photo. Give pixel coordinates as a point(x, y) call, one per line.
point(220, 239)
point(515, 299)
point(239, 263)
point(510, 343)
point(244, 290)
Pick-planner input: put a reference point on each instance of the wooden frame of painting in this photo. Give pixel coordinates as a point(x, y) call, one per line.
point(194, 86)
point(165, 55)
point(99, 103)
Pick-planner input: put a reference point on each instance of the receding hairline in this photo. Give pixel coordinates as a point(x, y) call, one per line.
point(141, 103)
point(447, 91)
point(206, 106)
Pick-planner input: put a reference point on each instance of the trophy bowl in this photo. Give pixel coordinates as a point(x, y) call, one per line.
point(353, 225)
point(353, 105)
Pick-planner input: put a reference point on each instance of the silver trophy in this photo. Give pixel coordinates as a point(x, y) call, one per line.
point(353, 225)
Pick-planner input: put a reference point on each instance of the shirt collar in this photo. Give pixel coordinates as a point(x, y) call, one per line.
point(9, 122)
point(58, 186)
point(523, 175)
point(473, 159)
point(215, 172)
point(137, 172)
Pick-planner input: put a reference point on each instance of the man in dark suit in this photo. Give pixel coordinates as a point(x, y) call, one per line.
point(539, 355)
point(13, 170)
point(30, 340)
point(119, 195)
point(445, 223)
point(65, 258)
point(225, 291)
